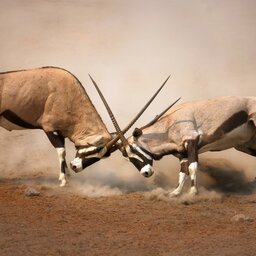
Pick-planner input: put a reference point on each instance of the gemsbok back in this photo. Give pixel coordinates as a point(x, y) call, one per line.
point(53, 99)
point(189, 129)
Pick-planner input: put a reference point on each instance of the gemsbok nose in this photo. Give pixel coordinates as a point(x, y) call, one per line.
point(76, 165)
point(147, 171)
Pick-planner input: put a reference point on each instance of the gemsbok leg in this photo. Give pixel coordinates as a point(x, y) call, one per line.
point(192, 151)
point(183, 175)
point(58, 141)
point(188, 166)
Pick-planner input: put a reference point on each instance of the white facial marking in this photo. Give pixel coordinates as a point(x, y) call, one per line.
point(142, 152)
point(77, 164)
point(98, 155)
point(132, 155)
point(147, 170)
point(86, 150)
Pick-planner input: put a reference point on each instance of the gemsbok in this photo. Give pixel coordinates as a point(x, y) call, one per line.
point(53, 99)
point(192, 128)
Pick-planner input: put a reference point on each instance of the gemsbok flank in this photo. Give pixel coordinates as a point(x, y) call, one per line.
point(192, 128)
point(53, 99)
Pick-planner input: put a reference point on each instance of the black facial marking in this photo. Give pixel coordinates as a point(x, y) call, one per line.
point(89, 161)
point(107, 154)
point(13, 118)
point(136, 162)
point(133, 150)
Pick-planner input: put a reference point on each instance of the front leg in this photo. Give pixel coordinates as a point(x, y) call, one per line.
point(183, 174)
point(58, 141)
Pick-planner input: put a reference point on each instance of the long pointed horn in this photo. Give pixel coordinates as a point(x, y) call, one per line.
point(121, 133)
point(161, 114)
point(112, 117)
point(145, 107)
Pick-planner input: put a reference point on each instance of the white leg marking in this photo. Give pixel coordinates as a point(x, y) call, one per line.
point(62, 177)
point(192, 171)
point(182, 180)
point(61, 154)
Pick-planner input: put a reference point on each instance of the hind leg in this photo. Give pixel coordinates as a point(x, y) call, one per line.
point(192, 151)
point(58, 141)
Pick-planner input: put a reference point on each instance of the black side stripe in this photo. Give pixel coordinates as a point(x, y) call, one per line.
point(231, 123)
point(13, 118)
point(236, 120)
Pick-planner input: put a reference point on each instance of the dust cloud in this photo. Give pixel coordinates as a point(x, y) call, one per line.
point(218, 178)
point(129, 47)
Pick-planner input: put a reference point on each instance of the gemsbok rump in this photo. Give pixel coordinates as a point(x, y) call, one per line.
point(192, 128)
point(53, 99)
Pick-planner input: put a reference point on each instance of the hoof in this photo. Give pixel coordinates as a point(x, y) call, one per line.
point(193, 191)
point(173, 194)
point(63, 183)
point(62, 179)
point(68, 174)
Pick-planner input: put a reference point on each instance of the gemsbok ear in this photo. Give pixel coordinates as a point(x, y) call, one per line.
point(137, 133)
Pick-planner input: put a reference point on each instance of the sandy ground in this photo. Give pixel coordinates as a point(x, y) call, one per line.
point(59, 221)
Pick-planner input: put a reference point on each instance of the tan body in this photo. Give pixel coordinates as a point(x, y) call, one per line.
point(51, 99)
point(199, 126)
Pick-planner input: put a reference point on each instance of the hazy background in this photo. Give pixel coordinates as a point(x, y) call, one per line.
point(129, 47)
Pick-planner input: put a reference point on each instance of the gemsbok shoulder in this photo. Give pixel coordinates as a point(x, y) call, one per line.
point(53, 99)
point(191, 128)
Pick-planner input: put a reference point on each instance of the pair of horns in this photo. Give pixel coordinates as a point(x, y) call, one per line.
point(120, 133)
